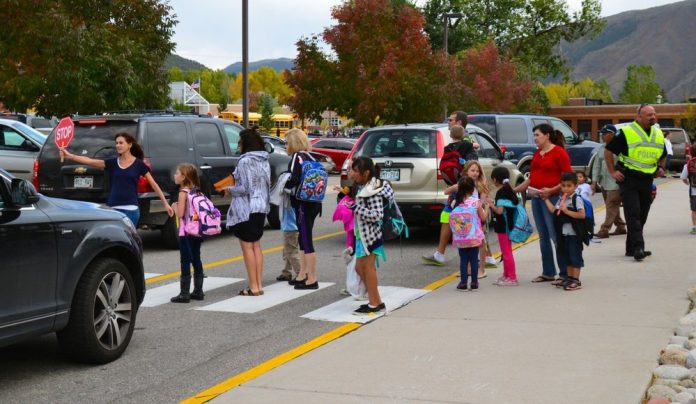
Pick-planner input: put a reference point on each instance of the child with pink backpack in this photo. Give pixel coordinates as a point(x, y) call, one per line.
point(467, 230)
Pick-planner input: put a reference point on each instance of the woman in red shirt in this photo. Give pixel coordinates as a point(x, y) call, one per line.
point(550, 160)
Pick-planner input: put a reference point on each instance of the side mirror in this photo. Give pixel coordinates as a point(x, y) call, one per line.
point(581, 137)
point(269, 147)
point(23, 192)
point(508, 155)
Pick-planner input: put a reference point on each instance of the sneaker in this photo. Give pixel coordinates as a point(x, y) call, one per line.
point(508, 282)
point(490, 263)
point(435, 258)
point(366, 309)
point(693, 231)
point(499, 280)
point(361, 298)
point(461, 286)
point(344, 292)
point(474, 286)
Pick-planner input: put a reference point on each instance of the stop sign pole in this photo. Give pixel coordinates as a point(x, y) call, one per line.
point(64, 133)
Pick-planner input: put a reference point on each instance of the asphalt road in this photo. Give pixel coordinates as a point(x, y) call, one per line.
point(176, 352)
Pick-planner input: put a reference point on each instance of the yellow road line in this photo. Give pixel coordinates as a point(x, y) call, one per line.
point(270, 364)
point(234, 259)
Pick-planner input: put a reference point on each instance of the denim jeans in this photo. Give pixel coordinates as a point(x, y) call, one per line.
point(190, 253)
point(133, 215)
point(469, 256)
point(543, 219)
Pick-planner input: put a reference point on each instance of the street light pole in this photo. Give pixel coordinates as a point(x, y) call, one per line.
point(445, 19)
point(245, 62)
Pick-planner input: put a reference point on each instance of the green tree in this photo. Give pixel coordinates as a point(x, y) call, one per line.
point(64, 56)
point(528, 31)
point(640, 85)
point(266, 106)
point(222, 104)
point(559, 93)
point(175, 74)
point(384, 69)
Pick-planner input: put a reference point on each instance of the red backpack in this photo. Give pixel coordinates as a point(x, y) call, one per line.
point(450, 167)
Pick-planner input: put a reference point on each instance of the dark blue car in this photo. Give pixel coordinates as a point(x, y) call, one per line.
point(514, 133)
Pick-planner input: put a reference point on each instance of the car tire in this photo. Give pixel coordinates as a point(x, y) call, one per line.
point(170, 234)
point(273, 217)
point(524, 169)
point(102, 315)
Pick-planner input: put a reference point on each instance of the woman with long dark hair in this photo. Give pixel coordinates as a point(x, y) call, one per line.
point(249, 205)
point(550, 160)
point(124, 172)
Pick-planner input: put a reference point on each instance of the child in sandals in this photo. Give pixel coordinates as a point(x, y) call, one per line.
point(569, 209)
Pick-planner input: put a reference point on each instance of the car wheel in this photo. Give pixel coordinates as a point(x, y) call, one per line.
point(170, 234)
point(273, 217)
point(524, 169)
point(102, 315)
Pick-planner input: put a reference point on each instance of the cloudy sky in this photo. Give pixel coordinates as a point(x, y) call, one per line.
point(209, 31)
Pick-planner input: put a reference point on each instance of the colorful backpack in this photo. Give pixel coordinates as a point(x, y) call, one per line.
point(467, 230)
point(313, 181)
point(450, 166)
point(521, 227)
point(584, 228)
point(202, 217)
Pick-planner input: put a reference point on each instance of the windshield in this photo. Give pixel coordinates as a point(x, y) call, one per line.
point(34, 134)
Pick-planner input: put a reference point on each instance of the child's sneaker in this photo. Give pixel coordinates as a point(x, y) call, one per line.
point(347, 255)
point(461, 286)
point(366, 309)
point(499, 280)
point(474, 286)
point(344, 292)
point(508, 282)
point(490, 262)
point(436, 258)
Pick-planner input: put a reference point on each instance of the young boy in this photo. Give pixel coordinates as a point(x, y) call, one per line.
point(570, 210)
point(688, 175)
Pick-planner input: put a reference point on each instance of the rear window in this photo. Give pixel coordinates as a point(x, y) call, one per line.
point(95, 140)
point(398, 143)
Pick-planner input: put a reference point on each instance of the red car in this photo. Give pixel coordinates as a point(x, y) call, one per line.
point(337, 148)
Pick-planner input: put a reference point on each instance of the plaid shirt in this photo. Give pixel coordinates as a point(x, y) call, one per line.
point(369, 210)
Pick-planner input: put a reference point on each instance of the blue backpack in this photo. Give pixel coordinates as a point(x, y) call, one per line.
point(521, 227)
point(584, 228)
point(313, 181)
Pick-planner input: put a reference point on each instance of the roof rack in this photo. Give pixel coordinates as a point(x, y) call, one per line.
point(142, 113)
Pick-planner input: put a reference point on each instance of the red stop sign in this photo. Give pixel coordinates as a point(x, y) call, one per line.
point(64, 132)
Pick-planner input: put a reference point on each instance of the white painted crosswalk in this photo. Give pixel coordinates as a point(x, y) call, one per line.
point(341, 311)
point(161, 294)
point(273, 295)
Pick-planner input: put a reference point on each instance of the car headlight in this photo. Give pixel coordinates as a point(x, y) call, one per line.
point(129, 224)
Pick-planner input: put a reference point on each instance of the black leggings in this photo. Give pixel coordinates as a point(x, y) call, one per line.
point(306, 213)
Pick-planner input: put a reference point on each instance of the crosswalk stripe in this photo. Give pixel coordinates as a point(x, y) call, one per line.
point(341, 311)
point(161, 294)
point(273, 295)
point(149, 275)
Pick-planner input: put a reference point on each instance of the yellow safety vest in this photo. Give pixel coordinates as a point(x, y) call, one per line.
point(643, 152)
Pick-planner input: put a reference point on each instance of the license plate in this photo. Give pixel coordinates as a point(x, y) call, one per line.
point(390, 174)
point(83, 182)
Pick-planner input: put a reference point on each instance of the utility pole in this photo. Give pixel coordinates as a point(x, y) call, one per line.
point(245, 62)
point(445, 18)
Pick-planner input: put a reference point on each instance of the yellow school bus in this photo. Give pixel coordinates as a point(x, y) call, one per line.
point(282, 123)
point(239, 117)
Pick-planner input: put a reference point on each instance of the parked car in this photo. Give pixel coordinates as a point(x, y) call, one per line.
point(167, 140)
point(513, 132)
point(409, 157)
point(19, 146)
point(279, 146)
point(681, 147)
point(68, 267)
point(337, 148)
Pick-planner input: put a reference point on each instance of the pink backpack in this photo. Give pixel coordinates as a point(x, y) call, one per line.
point(467, 230)
point(202, 217)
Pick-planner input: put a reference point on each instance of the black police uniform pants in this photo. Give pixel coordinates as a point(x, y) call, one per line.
point(636, 196)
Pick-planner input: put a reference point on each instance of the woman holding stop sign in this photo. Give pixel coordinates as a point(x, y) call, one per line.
point(124, 172)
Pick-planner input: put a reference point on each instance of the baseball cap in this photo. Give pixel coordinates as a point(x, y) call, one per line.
point(607, 128)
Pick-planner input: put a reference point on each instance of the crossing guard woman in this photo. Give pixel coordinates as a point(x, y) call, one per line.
point(640, 155)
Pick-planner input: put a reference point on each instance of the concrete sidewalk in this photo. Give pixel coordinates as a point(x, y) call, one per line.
point(528, 344)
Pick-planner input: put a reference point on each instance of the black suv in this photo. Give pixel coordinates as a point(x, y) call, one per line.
point(513, 132)
point(167, 140)
point(67, 267)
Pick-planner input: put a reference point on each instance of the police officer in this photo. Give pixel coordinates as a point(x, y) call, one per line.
point(640, 155)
